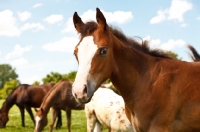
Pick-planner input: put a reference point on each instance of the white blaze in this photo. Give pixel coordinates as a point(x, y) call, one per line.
point(86, 51)
point(37, 119)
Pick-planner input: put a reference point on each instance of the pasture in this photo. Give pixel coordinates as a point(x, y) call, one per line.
point(14, 123)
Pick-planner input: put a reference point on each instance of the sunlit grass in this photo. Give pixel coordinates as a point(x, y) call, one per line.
point(78, 123)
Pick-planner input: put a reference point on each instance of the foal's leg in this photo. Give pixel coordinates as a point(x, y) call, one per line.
point(53, 119)
point(68, 113)
point(59, 120)
point(30, 113)
point(99, 127)
point(91, 120)
point(22, 114)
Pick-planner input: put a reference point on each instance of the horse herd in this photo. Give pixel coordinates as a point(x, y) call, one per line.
point(156, 92)
point(59, 97)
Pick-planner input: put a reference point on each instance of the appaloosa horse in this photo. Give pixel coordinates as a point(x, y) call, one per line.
point(25, 96)
point(106, 109)
point(60, 97)
point(161, 94)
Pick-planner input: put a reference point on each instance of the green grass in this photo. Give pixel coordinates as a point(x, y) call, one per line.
point(78, 123)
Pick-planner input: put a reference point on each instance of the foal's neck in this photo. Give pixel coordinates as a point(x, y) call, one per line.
point(130, 64)
point(50, 99)
point(47, 105)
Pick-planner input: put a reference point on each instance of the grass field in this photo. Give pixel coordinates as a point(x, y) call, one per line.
point(14, 123)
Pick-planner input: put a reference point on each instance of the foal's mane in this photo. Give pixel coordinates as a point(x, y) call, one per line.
point(91, 26)
point(52, 89)
point(195, 56)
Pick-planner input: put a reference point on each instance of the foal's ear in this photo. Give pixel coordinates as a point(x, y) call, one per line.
point(101, 19)
point(78, 23)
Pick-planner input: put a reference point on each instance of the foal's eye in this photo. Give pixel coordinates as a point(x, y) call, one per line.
point(103, 51)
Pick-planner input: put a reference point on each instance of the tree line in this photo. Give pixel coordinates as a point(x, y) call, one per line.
point(9, 79)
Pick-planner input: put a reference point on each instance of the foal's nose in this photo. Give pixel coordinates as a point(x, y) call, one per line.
point(80, 94)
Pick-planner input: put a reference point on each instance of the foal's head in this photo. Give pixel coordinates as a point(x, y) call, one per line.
point(94, 56)
point(40, 120)
point(3, 119)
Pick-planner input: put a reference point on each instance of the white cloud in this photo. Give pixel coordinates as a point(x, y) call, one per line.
point(23, 16)
point(34, 26)
point(19, 62)
point(7, 24)
point(54, 18)
point(154, 42)
point(18, 51)
point(37, 5)
point(178, 8)
point(171, 44)
point(66, 44)
point(31, 80)
point(198, 18)
point(69, 26)
point(40, 69)
point(161, 16)
point(119, 17)
point(176, 11)
point(183, 25)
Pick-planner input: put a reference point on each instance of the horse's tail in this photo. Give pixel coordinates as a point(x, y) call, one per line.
point(195, 56)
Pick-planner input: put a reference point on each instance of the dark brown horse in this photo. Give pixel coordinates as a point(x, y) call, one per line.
point(25, 96)
point(161, 94)
point(60, 97)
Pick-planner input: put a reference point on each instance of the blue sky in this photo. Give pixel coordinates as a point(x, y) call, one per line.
point(38, 37)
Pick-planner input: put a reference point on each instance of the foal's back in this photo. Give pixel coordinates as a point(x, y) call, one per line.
point(31, 95)
point(62, 91)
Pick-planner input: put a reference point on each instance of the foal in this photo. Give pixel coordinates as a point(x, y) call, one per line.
point(59, 97)
point(160, 94)
point(106, 108)
point(24, 96)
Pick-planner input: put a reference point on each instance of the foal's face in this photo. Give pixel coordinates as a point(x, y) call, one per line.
point(3, 119)
point(95, 59)
point(40, 121)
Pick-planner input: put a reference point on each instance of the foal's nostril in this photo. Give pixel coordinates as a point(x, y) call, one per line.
point(85, 89)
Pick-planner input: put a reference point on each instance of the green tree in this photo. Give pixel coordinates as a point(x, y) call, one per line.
point(71, 76)
point(56, 77)
point(7, 73)
point(52, 77)
point(173, 55)
point(8, 87)
point(36, 83)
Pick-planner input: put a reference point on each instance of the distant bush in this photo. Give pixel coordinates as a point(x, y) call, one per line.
point(8, 87)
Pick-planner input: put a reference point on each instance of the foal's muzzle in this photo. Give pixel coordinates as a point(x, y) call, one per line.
point(81, 94)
